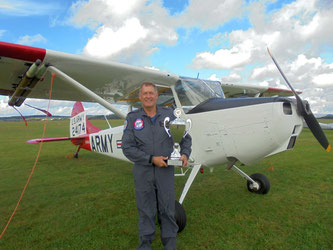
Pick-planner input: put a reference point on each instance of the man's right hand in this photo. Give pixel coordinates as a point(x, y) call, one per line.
point(160, 161)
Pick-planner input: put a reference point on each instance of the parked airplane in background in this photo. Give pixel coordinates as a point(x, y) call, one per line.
point(326, 126)
point(225, 131)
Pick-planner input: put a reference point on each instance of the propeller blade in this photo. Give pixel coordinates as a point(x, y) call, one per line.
point(284, 77)
point(305, 111)
point(316, 130)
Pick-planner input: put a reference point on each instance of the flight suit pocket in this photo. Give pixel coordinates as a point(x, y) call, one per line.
point(141, 138)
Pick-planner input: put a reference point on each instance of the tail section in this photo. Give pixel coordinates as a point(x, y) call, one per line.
point(79, 124)
point(85, 135)
point(77, 109)
point(79, 130)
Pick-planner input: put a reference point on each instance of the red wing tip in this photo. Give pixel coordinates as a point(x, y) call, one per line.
point(34, 141)
point(21, 52)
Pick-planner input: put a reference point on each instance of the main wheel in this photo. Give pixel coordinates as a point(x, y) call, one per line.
point(262, 181)
point(180, 216)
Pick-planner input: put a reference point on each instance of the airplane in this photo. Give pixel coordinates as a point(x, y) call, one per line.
point(328, 126)
point(230, 124)
point(324, 126)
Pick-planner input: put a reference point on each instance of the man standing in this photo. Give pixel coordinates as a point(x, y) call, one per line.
point(146, 143)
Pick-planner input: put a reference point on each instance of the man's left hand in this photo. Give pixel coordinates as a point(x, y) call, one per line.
point(183, 158)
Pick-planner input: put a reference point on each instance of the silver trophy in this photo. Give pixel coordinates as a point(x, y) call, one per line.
point(177, 130)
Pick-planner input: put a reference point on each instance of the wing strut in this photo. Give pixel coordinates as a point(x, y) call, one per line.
point(87, 91)
point(189, 182)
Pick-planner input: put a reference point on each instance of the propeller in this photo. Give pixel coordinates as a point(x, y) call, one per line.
point(303, 108)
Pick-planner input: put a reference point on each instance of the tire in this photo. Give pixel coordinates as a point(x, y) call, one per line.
point(180, 216)
point(263, 182)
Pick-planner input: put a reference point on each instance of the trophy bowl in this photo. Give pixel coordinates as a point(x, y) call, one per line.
point(177, 130)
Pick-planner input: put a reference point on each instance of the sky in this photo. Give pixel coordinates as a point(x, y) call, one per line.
point(222, 40)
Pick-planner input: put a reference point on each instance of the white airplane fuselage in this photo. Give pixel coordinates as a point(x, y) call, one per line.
point(247, 133)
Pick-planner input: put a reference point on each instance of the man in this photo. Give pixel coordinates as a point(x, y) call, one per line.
point(146, 143)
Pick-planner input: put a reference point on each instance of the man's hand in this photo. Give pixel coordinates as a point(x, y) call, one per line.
point(183, 158)
point(160, 161)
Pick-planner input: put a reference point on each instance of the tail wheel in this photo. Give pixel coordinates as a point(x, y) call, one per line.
point(262, 181)
point(180, 216)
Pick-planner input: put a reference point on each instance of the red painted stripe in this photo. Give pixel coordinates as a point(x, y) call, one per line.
point(21, 52)
point(272, 90)
point(278, 90)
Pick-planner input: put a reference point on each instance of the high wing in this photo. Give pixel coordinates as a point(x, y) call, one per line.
point(235, 90)
point(114, 82)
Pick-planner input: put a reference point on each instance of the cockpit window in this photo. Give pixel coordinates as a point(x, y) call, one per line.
point(192, 92)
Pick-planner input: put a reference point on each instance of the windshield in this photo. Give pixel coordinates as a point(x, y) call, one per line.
point(192, 92)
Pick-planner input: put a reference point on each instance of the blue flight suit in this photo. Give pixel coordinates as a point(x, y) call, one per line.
point(144, 138)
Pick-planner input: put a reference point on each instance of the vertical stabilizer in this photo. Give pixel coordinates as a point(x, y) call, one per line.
point(79, 124)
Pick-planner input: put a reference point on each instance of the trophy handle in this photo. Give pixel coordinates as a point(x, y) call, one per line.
point(166, 119)
point(190, 124)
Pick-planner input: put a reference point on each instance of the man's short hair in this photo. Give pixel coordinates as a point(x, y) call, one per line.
point(147, 84)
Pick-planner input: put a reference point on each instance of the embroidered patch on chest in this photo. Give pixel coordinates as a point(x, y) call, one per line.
point(138, 124)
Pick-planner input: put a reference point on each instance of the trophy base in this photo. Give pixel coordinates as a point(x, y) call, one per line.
point(175, 162)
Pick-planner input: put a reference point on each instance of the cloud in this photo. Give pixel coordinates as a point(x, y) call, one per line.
point(2, 32)
point(28, 8)
point(218, 40)
point(239, 55)
point(113, 13)
point(123, 38)
point(232, 78)
point(213, 77)
point(131, 31)
point(210, 14)
point(125, 31)
point(296, 28)
point(323, 80)
point(288, 31)
point(29, 40)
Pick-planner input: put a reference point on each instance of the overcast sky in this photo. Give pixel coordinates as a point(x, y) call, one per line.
point(223, 40)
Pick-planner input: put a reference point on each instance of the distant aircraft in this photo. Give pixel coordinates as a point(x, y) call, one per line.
point(225, 131)
point(326, 126)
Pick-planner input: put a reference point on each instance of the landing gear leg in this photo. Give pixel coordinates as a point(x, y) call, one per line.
point(76, 155)
point(256, 183)
point(180, 214)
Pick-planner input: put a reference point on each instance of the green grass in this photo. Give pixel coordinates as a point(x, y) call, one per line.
point(89, 202)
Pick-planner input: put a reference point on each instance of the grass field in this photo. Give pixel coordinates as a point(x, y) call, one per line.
point(89, 202)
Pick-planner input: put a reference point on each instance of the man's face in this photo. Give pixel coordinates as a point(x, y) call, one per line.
point(148, 96)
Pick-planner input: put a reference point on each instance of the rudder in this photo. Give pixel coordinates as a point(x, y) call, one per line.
point(79, 124)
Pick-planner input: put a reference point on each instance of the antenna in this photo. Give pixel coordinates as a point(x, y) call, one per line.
point(107, 121)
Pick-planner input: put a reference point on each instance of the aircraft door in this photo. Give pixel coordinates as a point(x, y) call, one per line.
point(227, 142)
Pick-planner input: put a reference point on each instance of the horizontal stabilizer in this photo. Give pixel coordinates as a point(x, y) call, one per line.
point(50, 139)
